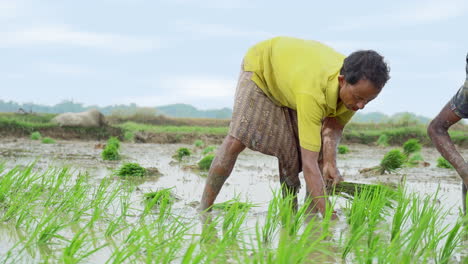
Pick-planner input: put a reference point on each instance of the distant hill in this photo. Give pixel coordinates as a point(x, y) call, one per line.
point(189, 111)
point(185, 110)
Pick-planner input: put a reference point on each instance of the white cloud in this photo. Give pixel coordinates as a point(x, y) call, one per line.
point(64, 35)
point(410, 13)
point(201, 91)
point(217, 30)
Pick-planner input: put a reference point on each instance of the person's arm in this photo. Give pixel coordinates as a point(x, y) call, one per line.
point(331, 136)
point(315, 185)
point(438, 132)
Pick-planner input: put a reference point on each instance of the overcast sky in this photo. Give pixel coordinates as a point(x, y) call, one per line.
point(155, 53)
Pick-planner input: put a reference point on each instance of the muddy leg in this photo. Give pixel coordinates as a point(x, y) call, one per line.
point(307, 194)
point(220, 170)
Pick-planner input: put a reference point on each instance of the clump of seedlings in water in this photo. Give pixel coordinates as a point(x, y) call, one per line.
point(181, 153)
point(131, 169)
point(129, 136)
point(443, 163)
point(393, 160)
point(36, 135)
point(225, 206)
point(205, 163)
point(209, 150)
point(411, 146)
point(382, 140)
point(48, 140)
point(343, 149)
point(160, 196)
point(111, 151)
point(198, 143)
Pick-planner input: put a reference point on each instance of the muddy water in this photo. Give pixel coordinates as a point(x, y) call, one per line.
point(253, 177)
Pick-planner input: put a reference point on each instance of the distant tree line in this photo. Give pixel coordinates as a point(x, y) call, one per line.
point(189, 111)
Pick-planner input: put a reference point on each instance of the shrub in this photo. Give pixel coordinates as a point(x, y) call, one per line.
point(209, 149)
point(394, 159)
point(48, 140)
point(36, 135)
point(343, 149)
point(443, 163)
point(411, 146)
point(383, 140)
point(199, 143)
point(181, 153)
point(131, 169)
point(205, 162)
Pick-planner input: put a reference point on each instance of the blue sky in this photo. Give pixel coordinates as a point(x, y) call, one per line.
point(154, 53)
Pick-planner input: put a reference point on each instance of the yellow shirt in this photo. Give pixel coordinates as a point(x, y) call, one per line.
point(302, 75)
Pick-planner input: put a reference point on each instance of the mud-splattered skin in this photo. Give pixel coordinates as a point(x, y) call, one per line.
point(438, 132)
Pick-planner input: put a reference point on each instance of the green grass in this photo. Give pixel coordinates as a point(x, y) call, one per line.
point(382, 140)
point(48, 140)
point(199, 143)
point(411, 146)
point(209, 150)
point(36, 135)
point(135, 127)
point(443, 163)
point(205, 163)
point(131, 169)
point(129, 136)
point(343, 149)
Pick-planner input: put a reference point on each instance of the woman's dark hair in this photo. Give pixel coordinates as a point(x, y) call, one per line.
point(365, 65)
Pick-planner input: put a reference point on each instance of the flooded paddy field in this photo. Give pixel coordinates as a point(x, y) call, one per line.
point(122, 224)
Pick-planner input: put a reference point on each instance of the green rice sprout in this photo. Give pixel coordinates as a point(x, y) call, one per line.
point(205, 163)
point(131, 169)
point(415, 159)
point(443, 163)
point(181, 153)
point(36, 135)
point(393, 160)
point(198, 143)
point(208, 150)
point(343, 149)
point(411, 146)
point(48, 140)
point(225, 206)
point(382, 140)
point(111, 151)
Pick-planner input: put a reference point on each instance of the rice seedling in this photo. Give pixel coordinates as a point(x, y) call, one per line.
point(343, 149)
point(392, 161)
point(226, 206)
point(198, 143)
point(131, 169)
point(181, 153)
point(411, 146)
point(48, 140)
point(205, 163)
point(351, 189)
point(209, 150)
point(36, 135)
point(111, 151)
point(382, 140)
point(443, 163)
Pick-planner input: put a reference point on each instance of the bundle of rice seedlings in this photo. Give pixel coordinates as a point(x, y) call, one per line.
point(111, 151)
point(382, 141)
point(36, 135)
point(350, 189)
point(131, 169)
point(198, 143)
point(443, 163)
point(181, 153)
point(159, 195)
point(411, 146)
point(209, 149)
point(48, 140)
point(393, 160)
point(343, 149)
point(205, 162)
